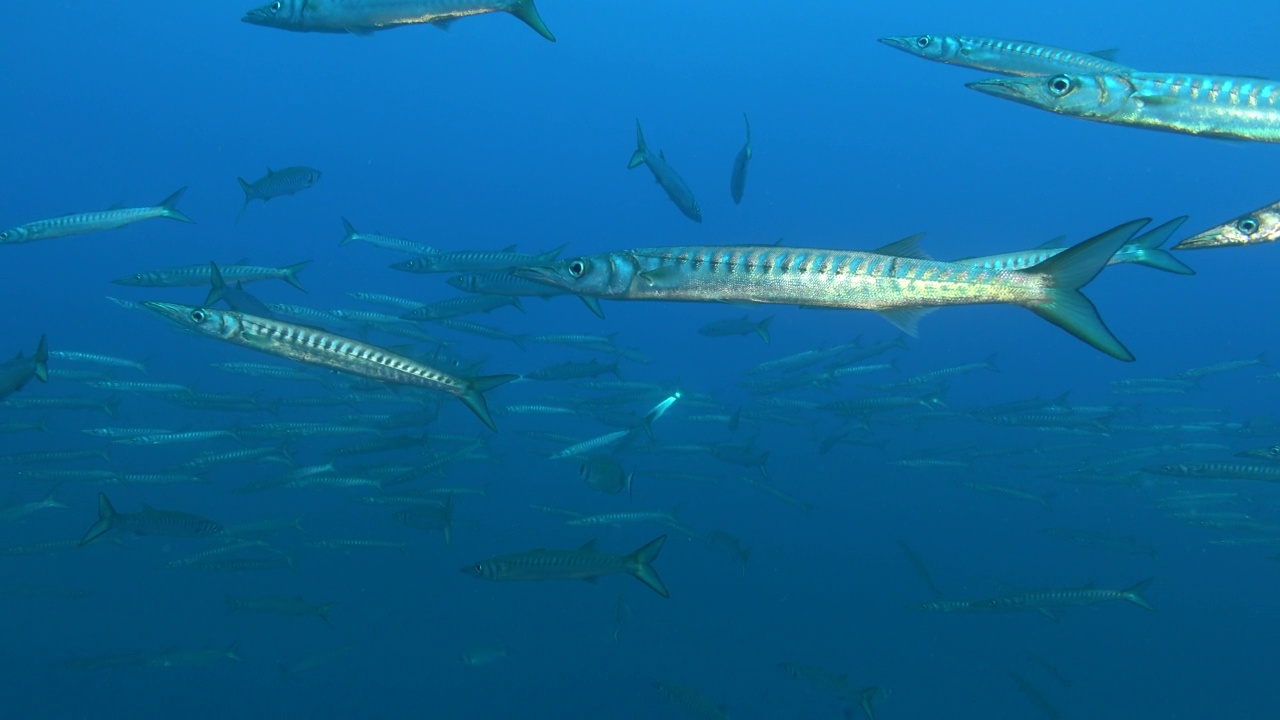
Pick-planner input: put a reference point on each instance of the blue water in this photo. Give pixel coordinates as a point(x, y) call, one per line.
point(486, 136)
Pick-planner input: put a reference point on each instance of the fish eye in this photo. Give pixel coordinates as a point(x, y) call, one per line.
point(275, 6)
point(4, 235)
point(1248, 225)
point(198, 315)
point(577, 268)
point(923, 41)
point(1060, 85)
point(138, 276)
point(479, 568)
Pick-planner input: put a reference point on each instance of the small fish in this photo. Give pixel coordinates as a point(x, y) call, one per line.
point(202, 274)
point(1007, 57)
point(18, 371)
point(585, 563)
point(361, 17)
point(695, 705)
point(149, 521)
point(385, 242)
point(737, 326)
point(478, 655)
point(666, 176)
point(277, 183)
point(604, 474)
point(82, 223)
point(738, 179)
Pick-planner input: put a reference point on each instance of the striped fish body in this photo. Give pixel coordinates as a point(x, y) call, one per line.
point(1143, 250)
point(584, 563)
point(315, 347)
point(365, 16)
point(1048, 599)
point(1269, 472)
point(1236, 108)
point(81, 223)
point(385, 242)
point(1006, 57)
point(149, 521)
point(202, 274)
point(695, 705)
point(466, 261)
point(458, 307)
point(501, 282)
point(900, 287)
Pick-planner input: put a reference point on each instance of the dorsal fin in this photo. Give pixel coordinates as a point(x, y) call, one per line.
point(1058, 242)
point(907, 247)
point(1108, 54)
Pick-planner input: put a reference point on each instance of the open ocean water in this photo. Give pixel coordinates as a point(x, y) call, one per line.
point(975, 493)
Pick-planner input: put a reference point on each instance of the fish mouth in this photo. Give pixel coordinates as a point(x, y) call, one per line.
point(1009, 88)
point(1197, 242)
point(548, 274)
point(172, 311)
point(258, 16)
point(899, 42)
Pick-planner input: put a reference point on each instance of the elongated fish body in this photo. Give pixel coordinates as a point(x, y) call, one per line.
point(385, 242)
point(149, 521)
point(737, 326)
point(202, 274)
point(315, 347)
point(1143, 250)
point(900, 287)
point(17, 372)
point(667, 177)
point(457, 307)
point(1260, 226)
point(97, 359)
point(361, 17)
point(738, 179)
point(82, 223)
point(1220, 106)
point(277, 183)
point(584, 563)
point(502, 282)
point(1007, 57)
point(695, 705)
point(1044, 600)
point(473, 261)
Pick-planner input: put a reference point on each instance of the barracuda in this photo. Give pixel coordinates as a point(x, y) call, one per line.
point(1007, 57)
point(1260, 226)
point(902, 287)
point(81, 223)
point(314, 347)
point(1237, 108)
point(361, 17)
point(584, 563)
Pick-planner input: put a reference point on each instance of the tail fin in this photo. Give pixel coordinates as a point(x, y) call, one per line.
point(642, 150)
point(639, 563)
point(617, 372)
point(473, 395)
point(323, 612)
point(762, 329)
point(40, 361)
point(747, 122)
point(350, 230)
point(248, 195)
point(219, 286)
point(989, 363)
point(291, 274)
point(1134, 594)
point(528, 14)
point(1071, 270)
point(232, 653)
point(169, 207)
point(106, 521)
point(1148, 250)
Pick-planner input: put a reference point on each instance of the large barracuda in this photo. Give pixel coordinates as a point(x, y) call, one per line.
point(667, 177)
point(361, 17)
point(1260, 226)
point(1220, 106)
point(1142, 250)
point(18, 371)
point(316, 347)
point(1007, 57)
point(81, 223)
point(148, 521)
point(584, 563)
point(901, 288)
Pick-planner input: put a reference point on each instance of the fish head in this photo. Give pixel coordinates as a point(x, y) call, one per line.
point(488, 569)
point(1259, 226)
point(420, 264)
point(1095, 97)
point(608, 275)
point(285, 14)
point(14, 235)
point(142, 279)
point(465, 283)
point(206, 321)
point(939, 48)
